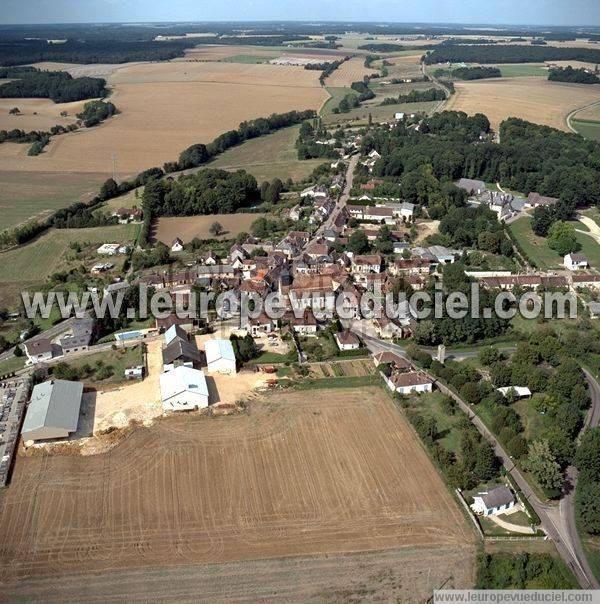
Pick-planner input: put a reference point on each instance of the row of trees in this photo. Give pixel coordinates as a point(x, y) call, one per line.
point(95, 112)
point(416, 96)
point(474, 73)
point(59, 86)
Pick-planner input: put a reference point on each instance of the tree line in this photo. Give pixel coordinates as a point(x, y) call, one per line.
point(59, 86)
point(470, 73)
point(502, 53)
point(416, 96)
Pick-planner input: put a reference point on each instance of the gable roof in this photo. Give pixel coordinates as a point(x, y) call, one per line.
point(181, 349)
point(182, 379)
point(219, 349)
point(497, 497)
point(54, 404)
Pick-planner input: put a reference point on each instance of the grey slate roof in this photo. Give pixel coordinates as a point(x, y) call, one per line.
point(497, 497)
point(53, 404)
point(180, 349)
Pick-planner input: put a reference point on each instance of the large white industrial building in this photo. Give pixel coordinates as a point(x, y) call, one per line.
point(183, 389)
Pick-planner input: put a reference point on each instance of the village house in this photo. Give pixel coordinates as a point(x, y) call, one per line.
point(366, 264)
point(346, 340)
point(410, 266)
point(586, 280)
point(496, 501)
point(177, 245)
point(305, 324)
point(39, 351)
point(576, 261)
point(126, 215)
point(409, 382)
point(314, 191)
point(535, 200)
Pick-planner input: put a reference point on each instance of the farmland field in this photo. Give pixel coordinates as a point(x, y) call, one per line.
point(532, 99)
point(348, 72)
point(27, 195)
point(37, 114)
point(188, 227)
point(587, 129)
point(341, 473)
point(267, 157)
point(184, 103)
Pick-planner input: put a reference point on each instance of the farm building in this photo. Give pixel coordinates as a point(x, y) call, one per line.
point(518, 391)
point(53, 411)
point(493, 502)
point(220, 357)
point(183, 389)
point(181, 351)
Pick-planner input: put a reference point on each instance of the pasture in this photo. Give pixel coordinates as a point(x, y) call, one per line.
point(532, 99)
point(268, 157)
point(33, 262)
point(296, 476)
point(587, 128)
point(187, 227)
point(27, 195)
point(166, 107)
point(360, 115)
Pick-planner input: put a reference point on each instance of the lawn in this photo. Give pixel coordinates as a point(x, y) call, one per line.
point(355, 381)
point(12, 364)
point(535, 247)
point(587, 128)
point(267, 157)
point(117, 360)
point(592, 552)
point(590, 248)
point(513, 70)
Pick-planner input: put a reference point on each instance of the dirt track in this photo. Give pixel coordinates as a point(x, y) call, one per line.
point(339, 472)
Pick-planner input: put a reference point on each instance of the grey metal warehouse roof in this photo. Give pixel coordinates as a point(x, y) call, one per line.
point(54, 404)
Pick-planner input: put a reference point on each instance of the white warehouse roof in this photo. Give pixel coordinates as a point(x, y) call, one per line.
point(219, 349)
point(182, 379)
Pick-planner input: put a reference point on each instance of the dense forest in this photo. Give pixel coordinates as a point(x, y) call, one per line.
point(209, 191)
point(502, 53)
point(528, 158)
point(574, 76)
point(59, 86)
point(416, 96)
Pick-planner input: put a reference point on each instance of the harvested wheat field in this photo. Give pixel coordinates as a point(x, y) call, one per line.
point(218, 52)
point(532, 99)
point(37, 114)
point(165, 107)
point(350, 71)
point(338, 472)
point(188, 227)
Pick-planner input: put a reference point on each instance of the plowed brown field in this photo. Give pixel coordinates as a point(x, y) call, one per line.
point(341, 472)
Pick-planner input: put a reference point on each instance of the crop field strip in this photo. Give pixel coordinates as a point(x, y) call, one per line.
point(339, 473)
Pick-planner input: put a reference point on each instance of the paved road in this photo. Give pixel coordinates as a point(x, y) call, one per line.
point(558, 521)
point(50, 333)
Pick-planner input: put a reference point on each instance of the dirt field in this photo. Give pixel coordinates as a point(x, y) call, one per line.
point(341, 472)
point(188, 227)
point(217, 52)
point(532, 99)
point(348, 72)
point(184, 103)
point(48, 114)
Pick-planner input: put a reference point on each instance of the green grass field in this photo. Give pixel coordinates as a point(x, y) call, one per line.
point(587, 128)
point(509, 70)
point(535, 247)
point(336, 95)
point(431, 406)
point(50, 252)
point(248, 59)
point(360, 115)
point(270, 156)
point(27, 195)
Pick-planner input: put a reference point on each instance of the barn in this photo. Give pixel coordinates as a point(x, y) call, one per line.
point(183, 389)
point(53, 410)
point(220, 357)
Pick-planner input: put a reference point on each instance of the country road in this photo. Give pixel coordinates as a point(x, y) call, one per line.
point(558, 521)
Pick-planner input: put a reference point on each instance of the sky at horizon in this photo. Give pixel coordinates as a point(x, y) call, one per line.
point(502, 12)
